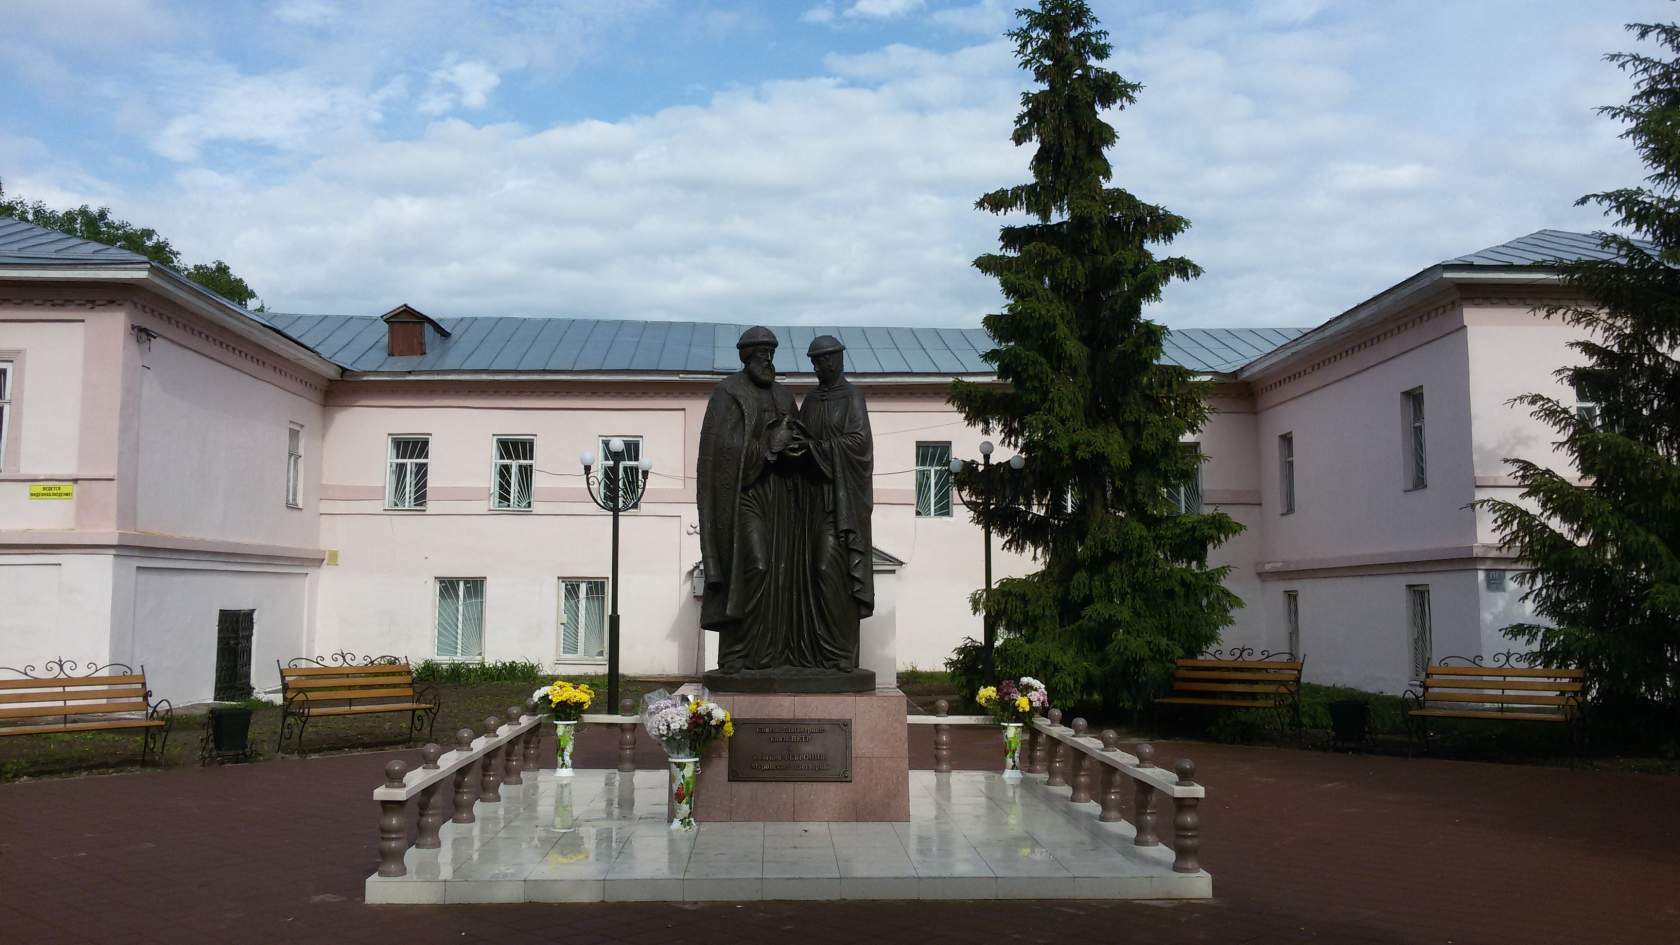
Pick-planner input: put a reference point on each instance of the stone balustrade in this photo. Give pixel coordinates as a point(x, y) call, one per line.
point(1096, 772)
point(473, 770)
point(627, 721)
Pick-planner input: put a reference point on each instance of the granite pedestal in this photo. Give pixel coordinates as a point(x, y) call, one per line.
point(879, 785)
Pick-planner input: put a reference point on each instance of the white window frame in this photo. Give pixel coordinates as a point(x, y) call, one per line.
point(561, 656)
point(460, 604)
point(1415, 441)
point(1292, 622)
point(294, 466)
point(529, 466)
point(1585, 409)
point(632, 453)
point(935, 474)
point(8, 375)
point(1420, 627)
point(391, 462)
point(1183, 493)
point(1286, 472)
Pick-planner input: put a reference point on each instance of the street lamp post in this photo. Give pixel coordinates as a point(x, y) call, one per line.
point(610, 494)
point(988, 628)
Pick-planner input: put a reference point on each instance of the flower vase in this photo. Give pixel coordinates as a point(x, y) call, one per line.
point(565, 733)
point(1012, 751)
point(684, 778)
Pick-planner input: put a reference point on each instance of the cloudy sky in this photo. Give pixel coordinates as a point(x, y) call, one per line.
point(786, 161)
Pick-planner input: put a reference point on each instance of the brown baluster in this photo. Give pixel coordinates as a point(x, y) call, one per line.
point(627, 738)
point(1143, 800)
point(393, 830)
point(1187, 822)
point(513, 759)
point(431, 801)
point(1040, 761)
point(1058, 756)
point(1080, 766)
point(489, 786)
point(528, 745)
point(1113, 797)
point(941, 737)
point(466, 780)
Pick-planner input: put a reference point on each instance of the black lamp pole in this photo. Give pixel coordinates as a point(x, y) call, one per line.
point(611, 496)
point(988, 628)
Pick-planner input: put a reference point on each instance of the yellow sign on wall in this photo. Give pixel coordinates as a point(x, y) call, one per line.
point(52, 490)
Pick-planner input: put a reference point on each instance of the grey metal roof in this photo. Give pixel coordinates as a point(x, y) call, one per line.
point(1540, 248)
point(22, 242)
point(574, 345)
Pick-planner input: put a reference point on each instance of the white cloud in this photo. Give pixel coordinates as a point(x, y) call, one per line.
point(464, 83)
point(989, 17)
point(307, 12)
point(822, 13)
point(882, 9)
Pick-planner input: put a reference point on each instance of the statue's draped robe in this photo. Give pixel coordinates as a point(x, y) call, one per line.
point(750, 527)
point(839, 500)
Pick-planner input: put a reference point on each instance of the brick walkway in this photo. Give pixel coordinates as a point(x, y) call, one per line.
point(1303, 846)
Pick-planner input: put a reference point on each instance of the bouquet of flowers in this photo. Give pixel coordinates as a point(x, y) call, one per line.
point(1012, 701)
point(566, 700)
point(684, 724)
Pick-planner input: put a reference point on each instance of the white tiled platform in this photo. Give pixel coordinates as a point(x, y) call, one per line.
point(603, 836)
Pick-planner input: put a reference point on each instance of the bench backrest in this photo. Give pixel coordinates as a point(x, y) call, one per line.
point(378, 682)
point(1518, 688)
point(1245, 679)
point(60, 697)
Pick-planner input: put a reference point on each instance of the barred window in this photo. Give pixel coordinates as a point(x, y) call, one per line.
point(511, 474)
point(583, 619)
point(460, 618)
point(406, 466)
point(933, 480)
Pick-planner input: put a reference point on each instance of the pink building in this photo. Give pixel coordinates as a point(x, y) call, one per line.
point(175, 470)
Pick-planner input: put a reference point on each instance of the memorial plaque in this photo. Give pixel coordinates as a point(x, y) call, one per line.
point(791, 750)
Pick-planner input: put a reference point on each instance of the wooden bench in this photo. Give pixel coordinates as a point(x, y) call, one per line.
point(313, 688)
point(1270, 681)
point(1463, 688)
point(107, 698)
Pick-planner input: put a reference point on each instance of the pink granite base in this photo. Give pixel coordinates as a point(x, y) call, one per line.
point(880, 785)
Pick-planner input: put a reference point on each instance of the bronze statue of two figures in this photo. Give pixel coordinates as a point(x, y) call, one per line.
point(785, 497)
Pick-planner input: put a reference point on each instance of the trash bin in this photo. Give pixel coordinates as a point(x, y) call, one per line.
point(1349, 721)
point(227, 735)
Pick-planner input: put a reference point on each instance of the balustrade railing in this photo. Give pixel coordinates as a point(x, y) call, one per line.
point(1096, 771)
point(473, 770)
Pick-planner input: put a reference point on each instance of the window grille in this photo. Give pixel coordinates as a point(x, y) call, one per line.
point(5, 408)
point(1187, 496)
point(628, 472)
point(1292, 621)
point(460, 618)
point(1417, 462)
point(408, 463)
point(1422, 632)
point(234, 629)
point(514, 468)
point(933, 480)
point(583, 618)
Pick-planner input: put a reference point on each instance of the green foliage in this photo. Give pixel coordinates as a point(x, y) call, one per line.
point(502, 671)
point(966, 668)
point(1124, 586)
point(100, 226)
point(1606, 554)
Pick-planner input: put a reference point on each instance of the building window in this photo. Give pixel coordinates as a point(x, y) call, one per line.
point(460, 618)
point(583, 619)
point(1422, 633)
point(1286, 472)
point(5, 408)
point(1187, 497)
point(1292, 622)
point(294, 467)
point(515, 464)
point(1496, 579)
point(933, 480)
point(628, 473)
point(1586, 409)
point(405, 481)
point(1417, 463)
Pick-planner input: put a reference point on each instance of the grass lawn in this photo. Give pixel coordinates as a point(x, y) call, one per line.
point(464, 705)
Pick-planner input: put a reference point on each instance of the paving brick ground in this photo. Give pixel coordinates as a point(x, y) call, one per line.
point(1304, 846)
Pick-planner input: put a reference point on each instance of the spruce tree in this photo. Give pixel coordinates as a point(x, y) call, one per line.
point(1124, 586)
point(1605, 549)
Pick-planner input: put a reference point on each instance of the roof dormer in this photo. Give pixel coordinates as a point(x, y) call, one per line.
point(406, 329)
